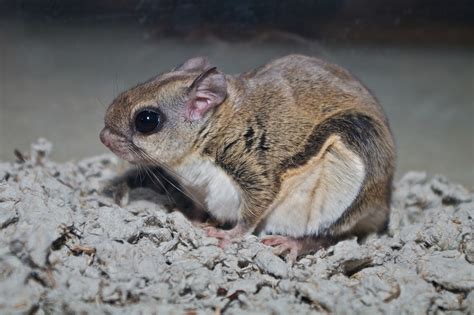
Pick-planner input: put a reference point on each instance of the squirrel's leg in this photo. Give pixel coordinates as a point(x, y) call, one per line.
point(256, 200)
point(306, 218)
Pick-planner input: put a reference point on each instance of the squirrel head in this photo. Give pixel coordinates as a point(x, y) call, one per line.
point(157, 122)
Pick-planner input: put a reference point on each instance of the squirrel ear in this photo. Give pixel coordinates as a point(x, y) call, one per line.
point(207, 91)
point(197, 63)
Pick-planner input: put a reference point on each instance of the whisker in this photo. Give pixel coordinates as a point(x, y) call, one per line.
point(115, 87)
point(183, 190)
point(138, 174)
point(101, 103)
point(152, 176)
point(153, 161)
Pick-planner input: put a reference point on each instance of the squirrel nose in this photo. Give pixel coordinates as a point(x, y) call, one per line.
point(105, 136)
point(110, 138)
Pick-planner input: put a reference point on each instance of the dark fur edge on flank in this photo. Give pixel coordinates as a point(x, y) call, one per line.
point(357, 130)
point(364, 135)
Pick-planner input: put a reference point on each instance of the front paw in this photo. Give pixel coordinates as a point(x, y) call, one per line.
point(284, 245)
point(122, 195)
point(119, 191)
point(225, 237)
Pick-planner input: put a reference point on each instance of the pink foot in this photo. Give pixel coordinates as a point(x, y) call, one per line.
point(225, 237)
point(283, 244)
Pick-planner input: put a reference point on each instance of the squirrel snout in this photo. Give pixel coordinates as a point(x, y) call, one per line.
point(117, 143)
point(109, 138)
point(105, 136)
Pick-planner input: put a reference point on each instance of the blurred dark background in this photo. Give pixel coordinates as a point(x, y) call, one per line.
point(389, 21)
point(62, 62)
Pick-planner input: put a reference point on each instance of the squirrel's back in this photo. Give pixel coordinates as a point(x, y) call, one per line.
point(318, 87)
point(288, 107)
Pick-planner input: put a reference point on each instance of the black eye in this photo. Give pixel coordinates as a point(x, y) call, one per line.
point(147, 121)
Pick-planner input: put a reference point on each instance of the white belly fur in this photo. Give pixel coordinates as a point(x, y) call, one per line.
point(318, 195)
point(221, 196)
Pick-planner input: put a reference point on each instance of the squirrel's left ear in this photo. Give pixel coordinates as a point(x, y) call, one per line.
point(207, 91)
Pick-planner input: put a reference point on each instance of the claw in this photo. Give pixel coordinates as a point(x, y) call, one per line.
point(214, 232)
point(225, 237)
point(271, 240)
point(282, 245)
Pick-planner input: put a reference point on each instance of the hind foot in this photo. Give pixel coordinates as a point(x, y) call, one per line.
point(284, 244)
point(294, 247)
